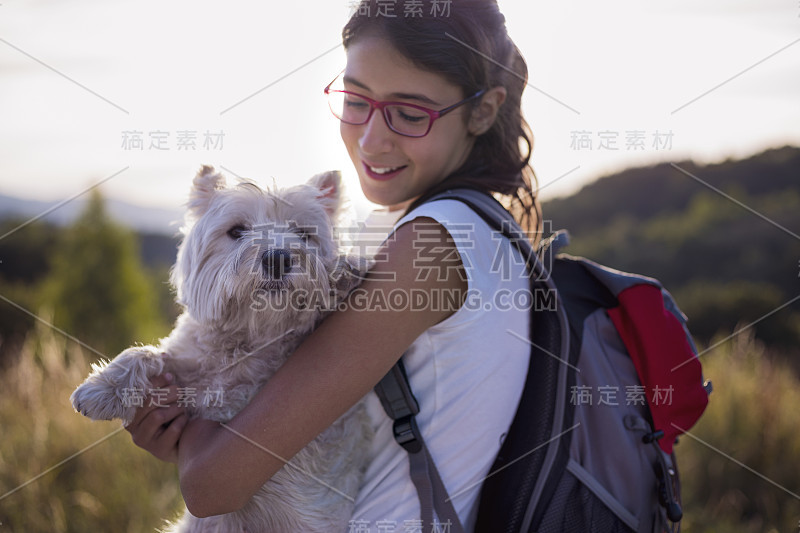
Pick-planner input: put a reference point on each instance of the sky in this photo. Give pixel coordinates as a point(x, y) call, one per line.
point(135, 96)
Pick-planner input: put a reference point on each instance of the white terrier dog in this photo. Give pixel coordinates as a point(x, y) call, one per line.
point(256, 271)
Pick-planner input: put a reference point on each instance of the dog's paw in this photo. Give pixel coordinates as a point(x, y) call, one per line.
point(349, 273)
point(99, 398)
point(114, 390)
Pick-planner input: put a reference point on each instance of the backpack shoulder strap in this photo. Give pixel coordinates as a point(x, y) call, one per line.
point(493, 213)
point(399, 403)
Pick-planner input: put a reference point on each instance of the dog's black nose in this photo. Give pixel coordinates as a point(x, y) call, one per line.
point(276, 263)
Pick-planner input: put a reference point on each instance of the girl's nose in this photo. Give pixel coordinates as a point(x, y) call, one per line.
point(376, 137)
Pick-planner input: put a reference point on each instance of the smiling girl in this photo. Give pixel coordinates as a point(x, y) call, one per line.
point(426, 103)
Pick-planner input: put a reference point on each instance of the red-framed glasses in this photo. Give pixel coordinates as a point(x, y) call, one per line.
point(410, 120)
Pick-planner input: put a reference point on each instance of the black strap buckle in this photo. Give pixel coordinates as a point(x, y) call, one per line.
point(666, 475)
point(653, 437)
point(406, 433)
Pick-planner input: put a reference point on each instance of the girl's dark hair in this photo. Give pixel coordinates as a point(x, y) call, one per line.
point(467, 43)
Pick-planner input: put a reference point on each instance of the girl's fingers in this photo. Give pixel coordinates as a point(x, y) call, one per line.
point(159, 422)
point(148, 406)
point(172, 433)
point(159, 431)
point(160, 394)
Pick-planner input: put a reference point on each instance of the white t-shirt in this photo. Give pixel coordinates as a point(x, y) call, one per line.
point(467, 373)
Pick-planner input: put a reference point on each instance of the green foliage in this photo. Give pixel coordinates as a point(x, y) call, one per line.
point(753, 418)
point(25, 250)
point(91, 276)
point(25, 257)
point(726, 264)
point(741, 303)
point(98, 289)
point(642, 193)
point(113, 486)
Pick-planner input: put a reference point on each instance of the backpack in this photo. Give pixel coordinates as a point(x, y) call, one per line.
point(613, 381)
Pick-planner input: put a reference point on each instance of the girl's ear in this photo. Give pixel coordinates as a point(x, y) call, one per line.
point(485, 113)
point(330, 186)
point(205, 185)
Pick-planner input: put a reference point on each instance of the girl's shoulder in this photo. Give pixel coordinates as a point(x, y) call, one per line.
point(480, 247)
point(444, 211)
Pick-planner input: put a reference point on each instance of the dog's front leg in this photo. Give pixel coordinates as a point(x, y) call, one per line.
point(114, 390)
point(350, 271)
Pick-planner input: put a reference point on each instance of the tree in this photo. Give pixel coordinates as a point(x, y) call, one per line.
point(98, 289)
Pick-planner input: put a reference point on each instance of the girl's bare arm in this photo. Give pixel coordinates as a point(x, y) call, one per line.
point(222, 467)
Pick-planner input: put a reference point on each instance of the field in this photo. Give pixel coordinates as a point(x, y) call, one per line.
point(75, 475)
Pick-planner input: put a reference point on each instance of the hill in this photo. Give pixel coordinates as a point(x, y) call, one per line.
point(723, 238)
point(143, 219)
point(645, 192)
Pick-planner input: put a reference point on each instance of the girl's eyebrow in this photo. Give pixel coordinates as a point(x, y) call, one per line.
point(401, 96)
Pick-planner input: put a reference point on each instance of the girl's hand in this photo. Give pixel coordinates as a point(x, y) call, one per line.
point(157, 426)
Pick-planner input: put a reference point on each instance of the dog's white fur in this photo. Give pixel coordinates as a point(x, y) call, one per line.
point(246, 252)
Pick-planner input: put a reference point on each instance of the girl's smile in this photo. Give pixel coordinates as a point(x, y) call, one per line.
point(382, 173)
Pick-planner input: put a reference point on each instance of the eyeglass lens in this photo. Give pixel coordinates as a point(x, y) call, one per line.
point(403, 119)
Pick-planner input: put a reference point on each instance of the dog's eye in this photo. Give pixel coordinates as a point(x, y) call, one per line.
point(303, 233)
point(236, 232)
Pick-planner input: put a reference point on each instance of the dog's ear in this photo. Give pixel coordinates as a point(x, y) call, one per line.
point(330, 186)
point(205, 184)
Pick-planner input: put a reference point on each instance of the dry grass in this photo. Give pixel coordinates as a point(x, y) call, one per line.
point(113, 486)
point(754, 416)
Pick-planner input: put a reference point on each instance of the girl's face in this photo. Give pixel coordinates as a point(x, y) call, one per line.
point(377, 70)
